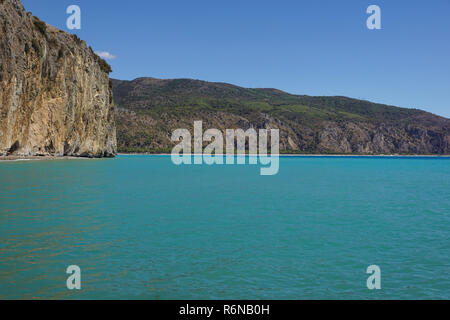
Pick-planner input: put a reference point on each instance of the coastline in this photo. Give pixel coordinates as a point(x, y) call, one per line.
point(39, 158)
point(307, 155)
point(54, 158)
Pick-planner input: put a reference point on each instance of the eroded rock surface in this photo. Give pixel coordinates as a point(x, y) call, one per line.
point(55, 95)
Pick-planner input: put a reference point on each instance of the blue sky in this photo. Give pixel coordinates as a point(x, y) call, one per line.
point(314, 47)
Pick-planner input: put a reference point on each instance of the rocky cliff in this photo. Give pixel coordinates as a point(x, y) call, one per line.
point(149, 110)
point(55, 93)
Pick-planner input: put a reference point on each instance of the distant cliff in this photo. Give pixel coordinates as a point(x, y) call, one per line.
point(148, 110)
point(55, 96)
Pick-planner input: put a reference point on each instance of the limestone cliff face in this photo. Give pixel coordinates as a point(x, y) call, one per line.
point(55, 93)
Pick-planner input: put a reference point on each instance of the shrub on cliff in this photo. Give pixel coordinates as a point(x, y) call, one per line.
point(103, 64)
point(40, 25)
point(76, 39)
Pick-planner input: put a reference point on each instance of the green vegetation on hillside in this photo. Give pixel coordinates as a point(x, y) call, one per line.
point(308, 124)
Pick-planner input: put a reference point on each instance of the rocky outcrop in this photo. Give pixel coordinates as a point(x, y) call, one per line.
point(385, 138)
point(55, 97)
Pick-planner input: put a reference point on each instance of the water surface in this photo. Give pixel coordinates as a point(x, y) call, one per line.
point(141, 228)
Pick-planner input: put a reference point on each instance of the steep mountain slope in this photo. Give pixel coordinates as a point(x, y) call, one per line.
point(55, 93)
point(149, 110)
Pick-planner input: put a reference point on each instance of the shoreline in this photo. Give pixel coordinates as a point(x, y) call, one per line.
point(55, 158)
point(305, 155)
point(39, 158)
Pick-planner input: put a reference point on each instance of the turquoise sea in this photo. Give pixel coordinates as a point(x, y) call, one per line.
point(140, 227)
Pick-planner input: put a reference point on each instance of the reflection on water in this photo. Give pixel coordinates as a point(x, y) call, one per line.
point(49, 215)
point(141, 228)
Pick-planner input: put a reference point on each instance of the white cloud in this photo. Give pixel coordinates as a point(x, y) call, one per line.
point(105, 55)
